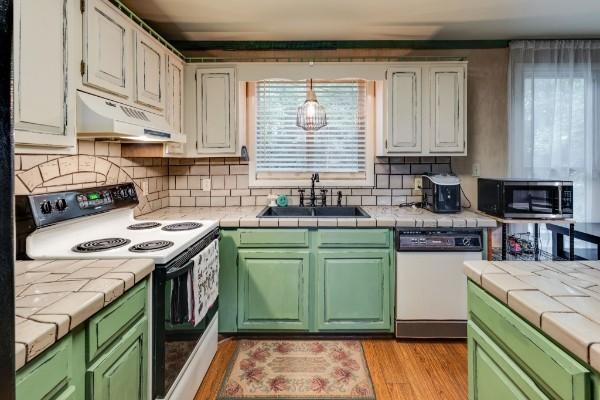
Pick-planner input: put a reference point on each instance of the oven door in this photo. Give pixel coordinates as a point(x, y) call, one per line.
point(175, 338)
point(532, 200)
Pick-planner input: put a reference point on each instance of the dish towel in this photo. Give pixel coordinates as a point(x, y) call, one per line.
point(205, 281)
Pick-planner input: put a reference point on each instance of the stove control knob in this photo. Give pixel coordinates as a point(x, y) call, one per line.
point(466, 241)
point(46, 207)
point(61, 204)
point(123, 193)
point(131, 192)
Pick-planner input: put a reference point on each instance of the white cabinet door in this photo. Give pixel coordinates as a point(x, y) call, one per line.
point(107, 48)
point(43, 96)
point(216, 110)
point(447, 109)
point(150, 67)
point(404, 110)
point(174, 100)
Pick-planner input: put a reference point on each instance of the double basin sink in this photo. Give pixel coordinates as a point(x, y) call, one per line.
point(313, 212)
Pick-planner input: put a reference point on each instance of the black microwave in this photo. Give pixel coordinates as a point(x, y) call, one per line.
point(525, 198)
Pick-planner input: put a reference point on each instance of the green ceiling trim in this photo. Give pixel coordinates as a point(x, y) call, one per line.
point(338, 45)
point(177, 47)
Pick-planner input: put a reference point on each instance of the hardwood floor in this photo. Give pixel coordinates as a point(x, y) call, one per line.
point(407, 370)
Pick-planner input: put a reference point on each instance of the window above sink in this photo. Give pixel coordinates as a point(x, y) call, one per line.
point(284, 155)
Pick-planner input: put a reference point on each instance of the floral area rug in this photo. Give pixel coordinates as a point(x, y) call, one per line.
point(297, 370)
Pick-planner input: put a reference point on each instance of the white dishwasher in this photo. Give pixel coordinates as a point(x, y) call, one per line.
point(431, 288)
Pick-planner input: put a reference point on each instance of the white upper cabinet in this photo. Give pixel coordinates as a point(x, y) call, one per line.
point(44, 110)
point(150, 71)
point(447, 104)
point(107, 49)
point(216, 111)
point(404, 112)
point(174, 98)
point(426, 109)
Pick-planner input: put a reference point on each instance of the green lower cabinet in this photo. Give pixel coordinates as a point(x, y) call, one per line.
point(510, 358)
point(353, 290)
point(493, 375)
point(311, 280)
point(273, 289)
point(122, 372)
point(104, 359)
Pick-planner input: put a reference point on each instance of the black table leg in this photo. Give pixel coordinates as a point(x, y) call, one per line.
point(536, 239)
point(572, 242)
point(503, 242)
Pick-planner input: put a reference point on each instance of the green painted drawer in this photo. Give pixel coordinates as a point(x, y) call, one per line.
point(493, 374)
point(273, 237)
point(109, 323)
point(554, 371)
point(354, 238)
point(48, 375)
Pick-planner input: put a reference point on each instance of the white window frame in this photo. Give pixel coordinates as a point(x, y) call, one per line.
point(295, 179)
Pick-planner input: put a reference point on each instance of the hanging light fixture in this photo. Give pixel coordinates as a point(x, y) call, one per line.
point(311, 115)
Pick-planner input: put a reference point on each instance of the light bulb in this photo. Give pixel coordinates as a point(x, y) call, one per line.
point(311, 109)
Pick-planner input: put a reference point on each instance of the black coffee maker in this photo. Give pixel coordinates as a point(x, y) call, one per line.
point(441, 193)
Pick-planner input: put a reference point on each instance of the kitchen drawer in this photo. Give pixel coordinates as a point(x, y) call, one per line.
point(48, 374)
point(553, 370)
point(109, 323)
point(493, 374)
point(273, 237)
point(354, 238)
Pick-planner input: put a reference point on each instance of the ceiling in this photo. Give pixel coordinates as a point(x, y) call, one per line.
point(286, 20)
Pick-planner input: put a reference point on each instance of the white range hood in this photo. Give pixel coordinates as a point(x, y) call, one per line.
point(100, 118)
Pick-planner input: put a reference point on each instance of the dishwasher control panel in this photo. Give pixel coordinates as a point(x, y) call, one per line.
point(432, 239)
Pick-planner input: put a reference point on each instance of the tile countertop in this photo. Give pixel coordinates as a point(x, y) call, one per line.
point(562, 298)
point(53, 297)
point(381, 216)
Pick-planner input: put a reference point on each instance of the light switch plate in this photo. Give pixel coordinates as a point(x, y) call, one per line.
point(145, 188)
point(206, 184)
point(476, 169)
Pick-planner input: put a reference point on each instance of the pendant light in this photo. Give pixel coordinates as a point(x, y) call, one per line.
point(311, 115)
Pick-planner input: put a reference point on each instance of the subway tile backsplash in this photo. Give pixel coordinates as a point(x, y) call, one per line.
point(178, 182)
point(394, 182)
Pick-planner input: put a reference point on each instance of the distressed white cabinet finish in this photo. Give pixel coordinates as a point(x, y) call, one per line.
point(44, 111)
point(107, 49)
point(174, 98)
point(150, 71)
point(216, 111)
point(447, 105)
point(426, 109)
point(404, 112)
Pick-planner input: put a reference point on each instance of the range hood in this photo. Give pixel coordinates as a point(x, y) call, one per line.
point(99, 118)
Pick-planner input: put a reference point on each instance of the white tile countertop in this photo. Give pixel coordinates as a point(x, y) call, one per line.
point(55, 296)
point(561, 298)
point(380, 216)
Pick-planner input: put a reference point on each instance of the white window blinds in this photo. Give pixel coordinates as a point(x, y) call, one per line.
point(282, 147)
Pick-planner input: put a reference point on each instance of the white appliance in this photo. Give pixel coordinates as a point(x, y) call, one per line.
point(101, 118)
point(431, 289)
point(98, 223)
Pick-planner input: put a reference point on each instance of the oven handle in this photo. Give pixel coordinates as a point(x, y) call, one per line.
point(177, 271)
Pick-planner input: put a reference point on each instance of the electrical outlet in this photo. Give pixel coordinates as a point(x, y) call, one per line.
point(206, 184)
point(145, 188)
point(418, 183)
point(476, 169)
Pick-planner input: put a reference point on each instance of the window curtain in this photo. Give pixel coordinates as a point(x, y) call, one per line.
point(554, 116)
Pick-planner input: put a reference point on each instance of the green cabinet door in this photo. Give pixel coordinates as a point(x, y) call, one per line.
point(353, 290)
point(121, 372)
point(273, 289)
point(493, 375)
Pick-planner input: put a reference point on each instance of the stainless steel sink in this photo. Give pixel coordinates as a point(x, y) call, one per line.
point(313, 212)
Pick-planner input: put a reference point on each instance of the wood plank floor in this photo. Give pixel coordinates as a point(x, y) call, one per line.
point(401, 370)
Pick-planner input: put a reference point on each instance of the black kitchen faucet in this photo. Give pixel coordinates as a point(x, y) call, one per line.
point(313, 198)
